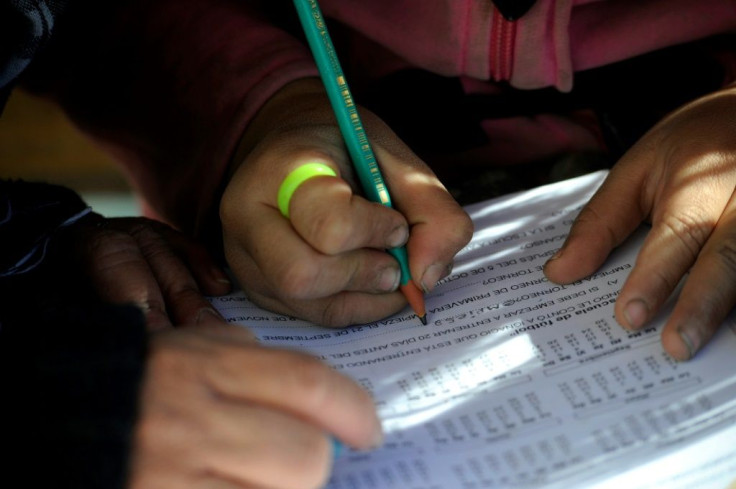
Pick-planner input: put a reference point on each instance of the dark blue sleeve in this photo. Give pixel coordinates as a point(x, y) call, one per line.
point(31, 216)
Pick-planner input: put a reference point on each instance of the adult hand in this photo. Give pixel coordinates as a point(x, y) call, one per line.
point(681, 176)
point(218, 410)
point(327, 263)
point(147, 263)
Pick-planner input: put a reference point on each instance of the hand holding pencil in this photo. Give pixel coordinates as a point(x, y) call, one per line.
point(328, 263)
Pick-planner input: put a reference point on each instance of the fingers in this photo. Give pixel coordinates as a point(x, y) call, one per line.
point(121, 274)
point(679, 232)
point(680, 175)
point(439, 226)
point(335, 311)
point(610, 216)
point(218, 409)
point(301, 272)
point(245, 446)
point(213, 482)
point(332, 250)
point(689, 201)
point(682, 221)
point(137, 260)
point(708, 295)
point(267, 448)
point(183, 297)
point(347, 287)
point(209, 276)
point(315, 392)
point(327, 215)
point(283, 272)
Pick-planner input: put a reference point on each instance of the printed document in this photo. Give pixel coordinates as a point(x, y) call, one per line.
point(517, 382)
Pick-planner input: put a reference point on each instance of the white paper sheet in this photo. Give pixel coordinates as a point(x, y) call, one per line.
point(518, 382)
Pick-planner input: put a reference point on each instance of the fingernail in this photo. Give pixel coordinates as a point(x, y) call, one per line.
point(389, 279)
point(207, 315)
point(398, 237)
point(220, 276)
point(433, 274)
point(556, 255)
point(636, 313)
point(337, 448)
point(691, 338)
point(552, 258)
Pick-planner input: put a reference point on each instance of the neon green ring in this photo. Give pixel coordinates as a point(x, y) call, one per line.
point(298, 176)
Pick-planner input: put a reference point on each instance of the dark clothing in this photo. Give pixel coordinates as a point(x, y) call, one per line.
point(70, 376)
point(70, 366)
point(26, 26)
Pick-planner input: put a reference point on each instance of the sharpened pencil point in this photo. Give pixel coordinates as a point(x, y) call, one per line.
point(415, 298)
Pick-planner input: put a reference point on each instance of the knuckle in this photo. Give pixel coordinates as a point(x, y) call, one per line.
point(668, 283)
point(330, 233)
point(153, 304)
point(336, 313)
point(163, 427)
point(705, 309)
point(314, 380)
point(689, 230)
point(163, 360)
point(589, 217)
point(297, 278)
point(463, 229)
point(166, 422)
point(113, 247)
point(726, 252)
point(172, 429)
point(153, 245)
point(184, 293)
point(228, 362)
point(586, 215)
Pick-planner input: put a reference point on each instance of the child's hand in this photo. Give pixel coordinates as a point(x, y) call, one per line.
point(327, 263)
point(681, 175)
point(219, 410)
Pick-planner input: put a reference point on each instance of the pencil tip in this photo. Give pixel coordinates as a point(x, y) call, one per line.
point(423, 319)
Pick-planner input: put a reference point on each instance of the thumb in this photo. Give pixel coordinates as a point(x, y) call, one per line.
point(440, 227)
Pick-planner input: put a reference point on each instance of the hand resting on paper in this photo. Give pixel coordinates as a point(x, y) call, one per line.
point(681, 177)
point(147, 263)
point(219, 410)
point(327, 263)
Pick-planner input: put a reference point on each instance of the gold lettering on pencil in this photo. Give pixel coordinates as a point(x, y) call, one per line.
point(383, 195)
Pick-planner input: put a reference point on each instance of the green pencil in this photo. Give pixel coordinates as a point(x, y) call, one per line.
point(351, 127)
